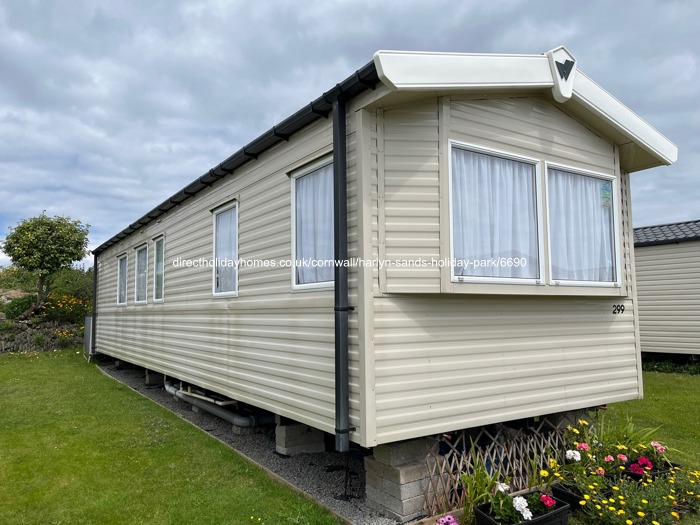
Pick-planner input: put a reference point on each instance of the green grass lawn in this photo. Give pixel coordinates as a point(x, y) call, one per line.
point(77, 447)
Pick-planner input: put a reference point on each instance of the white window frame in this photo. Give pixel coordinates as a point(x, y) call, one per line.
point(138, 250)
point(539, 203)
point(294, 176)
point(124, 257)
point(161, 240)
point(233, 205)
point(616, 227)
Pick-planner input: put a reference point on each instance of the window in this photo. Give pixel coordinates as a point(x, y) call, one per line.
point(312, 238)
point(141, 274)
point(159, 269)
point(581, 228)
point(226, 250)
point(495, 225)
point(122, 265)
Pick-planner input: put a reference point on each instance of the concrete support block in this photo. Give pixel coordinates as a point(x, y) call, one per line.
point(397, 478)
point(404, 452)
point(245, 431)
point(154, 378)
point(291, 439)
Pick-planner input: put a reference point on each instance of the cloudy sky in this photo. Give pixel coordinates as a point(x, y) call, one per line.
point(107, 108)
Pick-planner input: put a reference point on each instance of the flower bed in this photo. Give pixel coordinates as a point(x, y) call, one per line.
point(609, 475)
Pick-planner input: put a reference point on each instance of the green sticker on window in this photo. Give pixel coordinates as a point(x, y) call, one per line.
point(606, 194)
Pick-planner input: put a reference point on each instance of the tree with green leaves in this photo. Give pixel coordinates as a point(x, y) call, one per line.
point(45, 245)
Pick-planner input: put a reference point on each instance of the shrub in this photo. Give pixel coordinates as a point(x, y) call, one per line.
point(18, 306)
point(67, 308)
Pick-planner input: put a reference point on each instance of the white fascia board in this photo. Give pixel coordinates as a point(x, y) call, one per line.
point(417, 71)
point(401, 70)
point(594, 98)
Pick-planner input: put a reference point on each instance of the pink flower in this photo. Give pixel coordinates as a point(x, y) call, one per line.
point(609, 458)
point(548, 500)
point(635, 468)
point(644, 462)
point(447, 520)
point(583, 446)
point(622, 457)
point(655, 444)
point(600, 471)
point(661, 449)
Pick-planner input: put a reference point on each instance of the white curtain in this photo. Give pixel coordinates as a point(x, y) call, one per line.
point(314, 226)
point(226, 250)
point(581, 227)
point(121, 299)
point(494, 210)
point(141, 274)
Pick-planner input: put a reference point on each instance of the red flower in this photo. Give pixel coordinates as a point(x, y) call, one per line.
point(548, 501)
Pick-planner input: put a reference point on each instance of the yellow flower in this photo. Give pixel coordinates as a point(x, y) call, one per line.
point(640, 514)
point(621, 447)
point(583, 422)
point(575, 431)
point(586, 497)
point(553, 463)
point(582, 502)
point(544, 473)
point(654, 522)
point(620, 512)
point(615, 487)
point(628, 522)
point(645, 501)
point(675, 514)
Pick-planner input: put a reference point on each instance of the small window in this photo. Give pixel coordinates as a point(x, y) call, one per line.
point(141, 274)
point(581, 228)
point(226, 250)
point(495, 235)
point(312, 238)
point(122, 266)
point(159, 269)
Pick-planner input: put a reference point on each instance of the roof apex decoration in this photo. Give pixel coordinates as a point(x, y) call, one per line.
point(563, 67)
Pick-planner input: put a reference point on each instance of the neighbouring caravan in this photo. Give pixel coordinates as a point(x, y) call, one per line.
point(668, 287)
point(477, 209)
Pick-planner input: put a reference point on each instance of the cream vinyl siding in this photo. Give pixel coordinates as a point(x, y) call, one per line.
point(448, 361)
point(668, 288)
point(270, 347)
point(409, 187)
point(445, 363)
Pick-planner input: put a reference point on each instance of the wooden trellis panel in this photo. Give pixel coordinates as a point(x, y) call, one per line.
point(503, 449)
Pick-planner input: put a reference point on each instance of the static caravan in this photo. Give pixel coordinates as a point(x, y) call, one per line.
point(668, 287)
point(440, 241)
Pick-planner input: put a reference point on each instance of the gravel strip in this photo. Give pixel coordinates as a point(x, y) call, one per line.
point(321, 476)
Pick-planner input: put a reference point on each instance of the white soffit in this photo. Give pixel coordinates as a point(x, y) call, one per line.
point(418, 71)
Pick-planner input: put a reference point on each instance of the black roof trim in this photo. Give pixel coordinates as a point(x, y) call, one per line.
point(672, 233)
point(363, 79)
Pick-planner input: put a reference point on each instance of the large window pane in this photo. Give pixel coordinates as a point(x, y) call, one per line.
point(121, 279)
point(494, 212)
point(314, 226)
point(141, 274)
point(581, 233)
point(225, 250)
point(159, 269)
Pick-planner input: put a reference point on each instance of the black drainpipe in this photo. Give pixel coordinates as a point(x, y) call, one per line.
point(93, 335)
point(340, 253)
